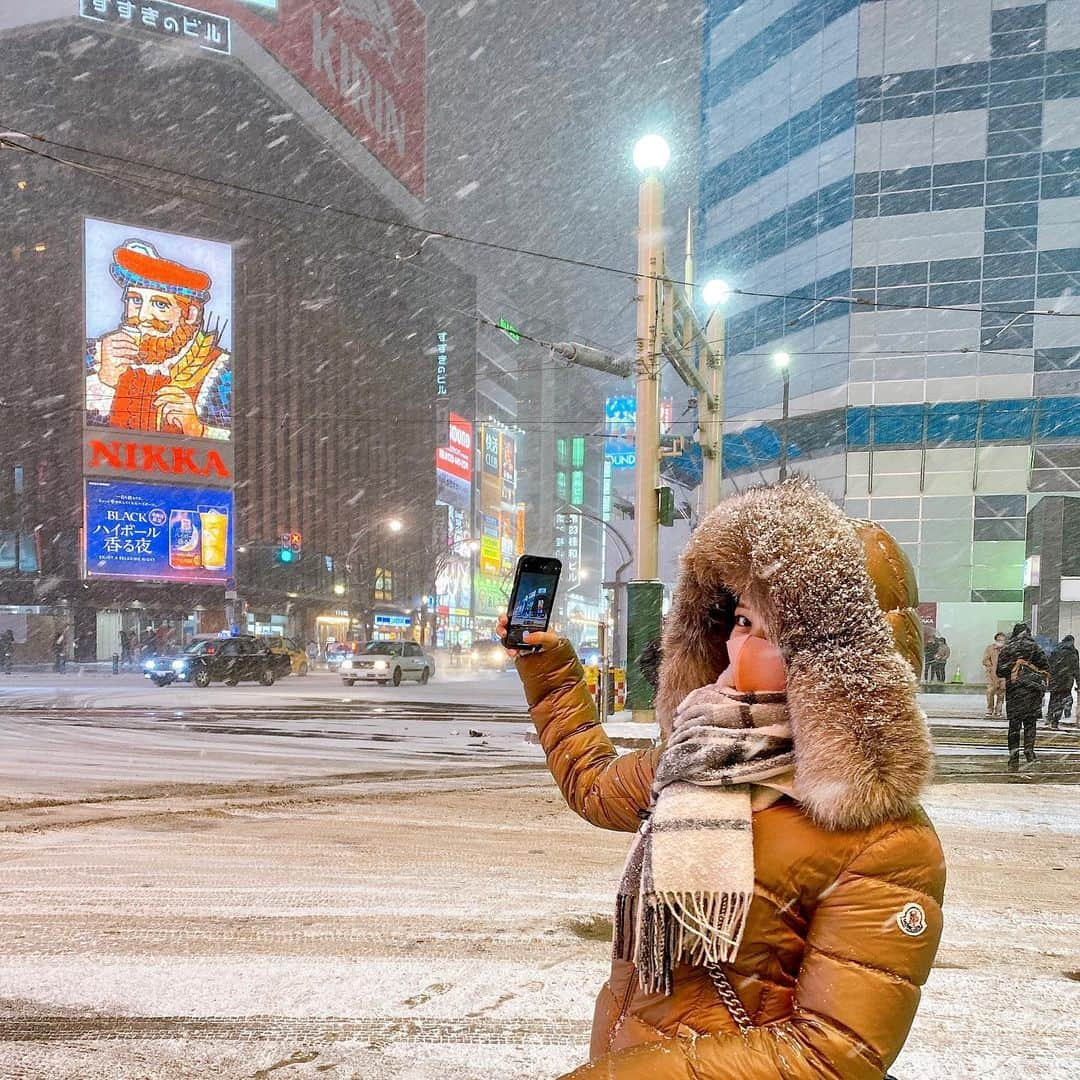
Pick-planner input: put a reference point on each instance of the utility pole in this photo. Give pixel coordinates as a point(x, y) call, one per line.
point(711, 418)
point(667, 329)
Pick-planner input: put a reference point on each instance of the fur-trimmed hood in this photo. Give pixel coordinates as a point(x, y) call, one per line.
point(862, 748)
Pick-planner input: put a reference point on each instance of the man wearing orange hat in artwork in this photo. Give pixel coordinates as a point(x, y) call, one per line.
point(162, 370)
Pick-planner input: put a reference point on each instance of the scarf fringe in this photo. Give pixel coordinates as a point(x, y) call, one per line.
point(701, 802)
point(691, 928)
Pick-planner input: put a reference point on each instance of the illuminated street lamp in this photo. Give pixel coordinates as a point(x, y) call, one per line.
point(651, 153)
point(395, 525)
point(715, 292)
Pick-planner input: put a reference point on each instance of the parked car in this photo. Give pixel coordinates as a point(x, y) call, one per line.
point(298, 657)
point(229, 660)
point(388, 661)
point(489, 655)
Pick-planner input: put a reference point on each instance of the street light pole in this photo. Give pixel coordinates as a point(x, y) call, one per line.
point(645, 594)
point(650, 156)
point(783, 362)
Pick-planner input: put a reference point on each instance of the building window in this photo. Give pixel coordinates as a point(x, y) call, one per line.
point(579, 453)
point(384, 584)
point(560, 485)
point(560, 451)
point(1000, 517)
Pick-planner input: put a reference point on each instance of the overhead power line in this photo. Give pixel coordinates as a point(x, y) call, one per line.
point(445, 234)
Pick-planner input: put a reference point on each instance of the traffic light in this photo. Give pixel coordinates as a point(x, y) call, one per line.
point(290, 548)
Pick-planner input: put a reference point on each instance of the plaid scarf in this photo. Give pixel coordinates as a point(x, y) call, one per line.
point(689, 877)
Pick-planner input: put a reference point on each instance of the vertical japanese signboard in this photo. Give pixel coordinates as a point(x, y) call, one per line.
point(453, 490)
point(568, 547)
point(158, 405)
point(498, 518)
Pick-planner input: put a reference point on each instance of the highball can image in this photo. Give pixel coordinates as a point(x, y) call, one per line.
point(185, 539)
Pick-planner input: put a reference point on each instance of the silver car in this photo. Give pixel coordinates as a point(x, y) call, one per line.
point(388, 662)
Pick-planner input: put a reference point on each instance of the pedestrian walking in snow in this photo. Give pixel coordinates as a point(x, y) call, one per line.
point(7, 650)
point(1023, 666)
point(1064, 675)
point(780, 905)
point(941, 658)
point(127, 651)
point(60, 651)
point(995, 685)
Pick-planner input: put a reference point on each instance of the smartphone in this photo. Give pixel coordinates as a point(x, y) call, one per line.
point(532, 599)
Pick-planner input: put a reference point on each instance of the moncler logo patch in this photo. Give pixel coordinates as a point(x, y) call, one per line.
point(912, 920)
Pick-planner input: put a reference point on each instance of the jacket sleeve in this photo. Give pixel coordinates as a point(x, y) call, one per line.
point(605, 788)
point(857, 990)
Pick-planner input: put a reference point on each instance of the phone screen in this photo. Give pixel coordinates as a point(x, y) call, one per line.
point(533, 598)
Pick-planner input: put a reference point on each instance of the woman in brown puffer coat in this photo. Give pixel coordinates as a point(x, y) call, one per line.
point(780, 907)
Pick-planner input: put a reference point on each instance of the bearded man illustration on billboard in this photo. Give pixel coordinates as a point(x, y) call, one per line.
point(165, 367)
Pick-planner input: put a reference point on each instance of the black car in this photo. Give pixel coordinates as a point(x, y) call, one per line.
point(229, 660)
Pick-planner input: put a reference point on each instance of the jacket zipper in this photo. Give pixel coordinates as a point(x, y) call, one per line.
point(623, 1007)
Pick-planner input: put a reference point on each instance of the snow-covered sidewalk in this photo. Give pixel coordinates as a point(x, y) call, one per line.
point(408, 931)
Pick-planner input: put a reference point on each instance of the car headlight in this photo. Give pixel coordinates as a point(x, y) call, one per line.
point(381, 665)
point(150, 665)
point(179, 665)
point(346, 665)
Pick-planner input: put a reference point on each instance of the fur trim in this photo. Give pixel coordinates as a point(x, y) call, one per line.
point(862, 747)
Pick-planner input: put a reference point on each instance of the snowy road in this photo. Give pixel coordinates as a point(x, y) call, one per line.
point(409, 929)
point(60, 750)
point(306, 882)
point(182, 739)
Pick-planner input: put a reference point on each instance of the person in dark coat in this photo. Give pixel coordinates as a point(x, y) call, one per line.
point(941, 657)
point(1064, 675)
point(7, 650)
point(1023, 666)
point(929, 654)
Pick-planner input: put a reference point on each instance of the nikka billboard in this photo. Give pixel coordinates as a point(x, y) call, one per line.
point(365, 61)
point(157, 373)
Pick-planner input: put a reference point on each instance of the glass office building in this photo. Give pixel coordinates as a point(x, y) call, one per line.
point(919, 159)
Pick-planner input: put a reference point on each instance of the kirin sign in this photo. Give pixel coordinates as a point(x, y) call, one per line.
point(365, 62)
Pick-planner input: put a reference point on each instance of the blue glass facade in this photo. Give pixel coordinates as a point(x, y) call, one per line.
point(930, 175)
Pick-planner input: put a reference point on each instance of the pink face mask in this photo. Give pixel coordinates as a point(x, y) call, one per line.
point(756, 665)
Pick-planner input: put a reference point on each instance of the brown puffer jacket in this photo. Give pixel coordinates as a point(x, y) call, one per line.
point(846, 915)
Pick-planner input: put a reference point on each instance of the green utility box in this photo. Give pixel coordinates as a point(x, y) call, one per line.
point(645, 607)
